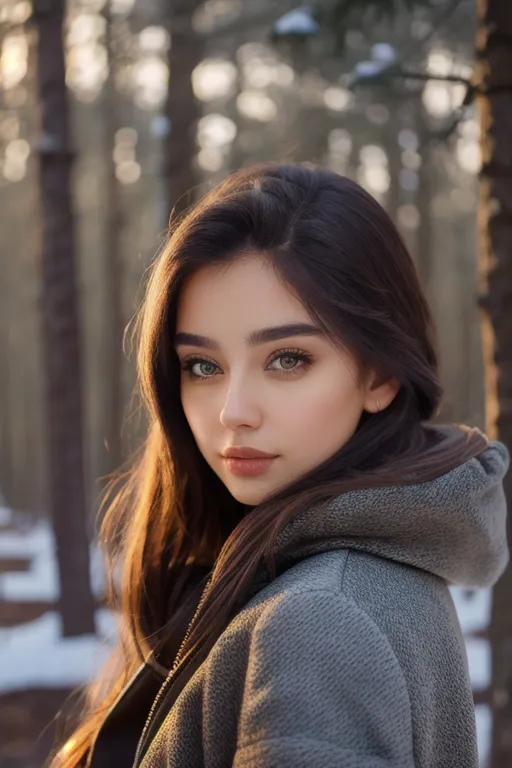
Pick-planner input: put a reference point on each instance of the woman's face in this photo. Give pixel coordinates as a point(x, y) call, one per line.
point(290, 393)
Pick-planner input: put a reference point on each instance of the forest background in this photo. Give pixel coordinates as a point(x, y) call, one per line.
point(115, 112)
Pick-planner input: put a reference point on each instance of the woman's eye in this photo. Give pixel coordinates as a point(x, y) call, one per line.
point(289, 362)
point(202, 369)
point(199, 369)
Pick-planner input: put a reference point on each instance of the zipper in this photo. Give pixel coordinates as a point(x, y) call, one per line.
point(170, 677)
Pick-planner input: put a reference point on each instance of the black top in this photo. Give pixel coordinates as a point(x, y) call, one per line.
point(117, 740)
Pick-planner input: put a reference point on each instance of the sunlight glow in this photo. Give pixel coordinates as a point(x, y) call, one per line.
point(409, 216)
point(372, 154)
point(215, 130)
point(261, 67)
point(86, 55)
point(210, 159)
point(469, 155)
point(154, 39)
point(469, 128)
point(258, 73)
point(95, 6)
point(14, 170)
point(283, 74)
point(123, 152)
point(127, 135)
point(337, 98)
point(373, 173)
point(128, 172)
point(17, 151)
point(84, 28)
point(256, 106)
point(13, 60)
point(150, 76)
point(122, 7)
point(374, 178)
point(440, 62)
point(261, 72)
point(17, 13)
point(20, 12)
point(439, 98)
point(411, 159)
point(214, 79)
point(9, 127)
point(250, 52)
point(339, 142)
point(87, 69)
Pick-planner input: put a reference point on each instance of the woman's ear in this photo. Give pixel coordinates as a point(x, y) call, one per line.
point(379, 393)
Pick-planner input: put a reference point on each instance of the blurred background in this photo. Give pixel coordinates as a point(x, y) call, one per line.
point(115, 112)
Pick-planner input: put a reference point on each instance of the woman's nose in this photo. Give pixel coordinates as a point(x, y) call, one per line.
point(240, 408)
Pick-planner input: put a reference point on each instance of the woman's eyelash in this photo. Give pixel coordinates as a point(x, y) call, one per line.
point(191, 361)
point(297, 354)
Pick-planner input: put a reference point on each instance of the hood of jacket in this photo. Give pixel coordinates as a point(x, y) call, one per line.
point(453, 526)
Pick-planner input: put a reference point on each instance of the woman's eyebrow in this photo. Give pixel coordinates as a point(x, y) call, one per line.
point(262, 336)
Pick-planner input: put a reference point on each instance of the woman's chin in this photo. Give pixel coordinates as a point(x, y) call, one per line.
point(245, 495)
point(251, 491)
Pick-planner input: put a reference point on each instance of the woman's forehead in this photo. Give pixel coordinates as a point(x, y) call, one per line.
point(247, 292)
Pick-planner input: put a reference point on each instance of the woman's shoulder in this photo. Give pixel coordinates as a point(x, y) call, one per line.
point(392, 604)
point(349, 640)
point(355, 575)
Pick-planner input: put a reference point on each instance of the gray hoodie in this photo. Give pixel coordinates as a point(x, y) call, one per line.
point(352, 657)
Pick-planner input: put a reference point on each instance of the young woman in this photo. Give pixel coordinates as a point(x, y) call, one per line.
point(289, 533)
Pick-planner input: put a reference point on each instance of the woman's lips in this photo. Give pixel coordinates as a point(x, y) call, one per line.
point(248, 467)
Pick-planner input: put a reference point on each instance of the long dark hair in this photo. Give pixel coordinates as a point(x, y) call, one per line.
point(335, 247)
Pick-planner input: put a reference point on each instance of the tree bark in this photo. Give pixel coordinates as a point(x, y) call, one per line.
point(60, 328)
point(494, 74)
point(182, 109)
point(114, 327)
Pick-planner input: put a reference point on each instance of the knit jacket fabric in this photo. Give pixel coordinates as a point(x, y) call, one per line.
point(353, 656)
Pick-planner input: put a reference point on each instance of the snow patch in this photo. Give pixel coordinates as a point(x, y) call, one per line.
point(35, 654)
point(5, 515)
point(483, 715)
point(297, 22)
point(473, 608)
point(41, 581)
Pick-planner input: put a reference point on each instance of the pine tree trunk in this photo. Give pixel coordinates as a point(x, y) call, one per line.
point(60, 324)
point(113, 402)
point(494, 73)
point(182, 108)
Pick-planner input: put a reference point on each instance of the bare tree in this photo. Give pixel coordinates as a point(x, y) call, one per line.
point(493, 75)
point(113, 400)
point(60, 323)
point(182, 109)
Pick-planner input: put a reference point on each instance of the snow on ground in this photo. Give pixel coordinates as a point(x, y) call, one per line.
point(473, 608)
point(474, 611)
point(41, 582)
point(5, 515)
point(34, 654)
